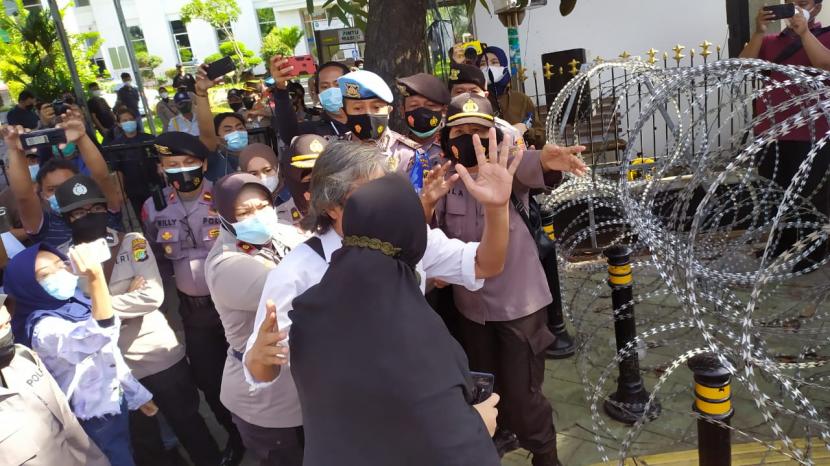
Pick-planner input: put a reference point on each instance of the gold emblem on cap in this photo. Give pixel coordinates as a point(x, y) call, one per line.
point(163, 150)
point(353, 90)
point(454, 74)
point(403, 90)
point(316, 146)
point(470, 106)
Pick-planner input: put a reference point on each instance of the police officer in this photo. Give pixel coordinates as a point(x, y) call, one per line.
point(303, 152)
point(185, 231)
point(149, 345)
point(425, 100)
point(37, 427)
point(367, 101)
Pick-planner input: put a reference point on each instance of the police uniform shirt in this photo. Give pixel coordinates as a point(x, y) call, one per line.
point(449, 260)
point(37, 427)
point(235, 272)
point(400, 151)
point(288, 213)
point(180, 123)
point(185, 232)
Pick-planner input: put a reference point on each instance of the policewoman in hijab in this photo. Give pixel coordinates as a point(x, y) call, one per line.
point(152, 351)
point(251, 244)
point(512, 105)
point(260, 161)
point(30, 403)
point(400, 392)
point(76, 337)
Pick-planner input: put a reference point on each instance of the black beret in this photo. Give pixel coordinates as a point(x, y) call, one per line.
point(461, 73)
point(179, 143)
point(425, 85)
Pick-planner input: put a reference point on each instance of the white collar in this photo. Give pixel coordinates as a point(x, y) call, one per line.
point(331, 242)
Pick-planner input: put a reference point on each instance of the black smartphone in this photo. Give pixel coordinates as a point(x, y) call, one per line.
point(43, 137)
point(220, 68)
point(482, 386)
point(60, 107)
point(784, 11)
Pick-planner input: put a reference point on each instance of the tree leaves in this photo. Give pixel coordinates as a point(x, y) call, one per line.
point(217, 13)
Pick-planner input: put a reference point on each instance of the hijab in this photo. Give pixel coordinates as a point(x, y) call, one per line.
point(254, 150)
point(500, 87)
point(403, 376)
point(32, 302)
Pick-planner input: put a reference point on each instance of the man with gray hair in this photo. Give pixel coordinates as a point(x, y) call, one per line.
point(340, 169)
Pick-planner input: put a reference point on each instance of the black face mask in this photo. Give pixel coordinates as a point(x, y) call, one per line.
point(186, 182)
point(368, 126)
point(186, 107)
point(461, 150)
point(6, 348)
point(423, 121)
point(89, 228)
point(248, 102)
point(236, 106)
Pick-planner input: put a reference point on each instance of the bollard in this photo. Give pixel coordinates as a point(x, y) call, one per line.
point(564, 345)
point(627, 404)
point(713, 400)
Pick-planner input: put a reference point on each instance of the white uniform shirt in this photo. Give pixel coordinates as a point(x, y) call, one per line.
point(182, 124)
point(84, 359)
point(449, 260)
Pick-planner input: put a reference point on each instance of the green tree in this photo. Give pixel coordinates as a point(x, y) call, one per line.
point(147, 64)
point(219, 14)
point(228, 49)
point(281, 41)
point(33, 58)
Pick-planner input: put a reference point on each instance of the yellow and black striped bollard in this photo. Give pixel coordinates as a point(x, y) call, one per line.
point(564, 345)
point(713, 400)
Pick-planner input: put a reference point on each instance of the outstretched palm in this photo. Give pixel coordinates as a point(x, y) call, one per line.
point(494, 182)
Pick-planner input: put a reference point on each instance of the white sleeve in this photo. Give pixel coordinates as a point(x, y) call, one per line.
point(72, 341)
point(134, 392)
point(451, 260)
point(283, 284)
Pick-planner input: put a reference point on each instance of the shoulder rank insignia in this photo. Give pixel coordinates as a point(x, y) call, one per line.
point(245, 247)
point(172, 196)
point(295, 214)
point(392, 162)
point(139, 246)
point(213, 233)
point(207, 196)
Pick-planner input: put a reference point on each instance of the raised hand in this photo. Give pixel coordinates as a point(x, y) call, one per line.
point(267, 354)
point(280, 71)
point(83, 257)
point(72, 123)
point(762, 20)
point(11, 136)
point(203, 83)
point(436, 185)
point(563, 159)
point(494, 182)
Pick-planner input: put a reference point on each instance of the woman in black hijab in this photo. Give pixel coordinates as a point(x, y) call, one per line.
point(380, 379)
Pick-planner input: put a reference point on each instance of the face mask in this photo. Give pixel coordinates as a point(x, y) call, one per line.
point(53, 203)
point(271, 183)
point(331, 99)
point(33, 171)
point(185, 180)
point(462, 150)
point(248, 102)
point(129, 126)
point(496, 71)
point(423, 122)
point(368, 126)
point(6, 348)
point(97, 93)
point(30, 107)
point(164, 95)
point(237, 140)
point(89, 228)
point(185, 107)
point(67, 150)
point(60, 285)
point(236, 106)
point(258, 228)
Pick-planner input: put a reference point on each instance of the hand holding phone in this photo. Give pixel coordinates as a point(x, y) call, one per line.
point(43, 138)
point(86, 258)
point(220, 68)
point(784, 11)
point(483, 384)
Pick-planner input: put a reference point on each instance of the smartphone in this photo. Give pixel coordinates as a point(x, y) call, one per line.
point(784, 11)
point(482, 386)
point(303, 64)
point(100, 253)
point(43, 137)
point(60, 107)
point(220, 68)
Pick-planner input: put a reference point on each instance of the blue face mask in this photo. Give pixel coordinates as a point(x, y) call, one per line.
point(33, 171)
point(331, 99)
point(129, 126)
point(67, 150)
point(53, 203)
point(257, 229)
point(60, 285)
point(237, 140)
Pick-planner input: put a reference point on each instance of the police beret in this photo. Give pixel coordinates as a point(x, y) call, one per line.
point(471, 108)
point(78, 191)
point(461, 73)
point(425, 85)
point(181, 96)
point(179, 143)
point(305, 149)
point(362, 84)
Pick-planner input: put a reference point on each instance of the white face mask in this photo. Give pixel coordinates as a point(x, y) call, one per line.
point(804, 12)
point(164, 95)
point(97, 93)
point(270, 182)
point(497, 71)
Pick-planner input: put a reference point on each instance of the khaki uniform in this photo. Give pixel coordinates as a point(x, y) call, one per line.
point(515, 108)
point(37, 427)
point(400, 151)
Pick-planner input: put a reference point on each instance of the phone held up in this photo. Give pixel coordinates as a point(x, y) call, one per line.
point(483, 384)
point(43, 137)
point(100, 253)
point(784, 11)
point(220, 68)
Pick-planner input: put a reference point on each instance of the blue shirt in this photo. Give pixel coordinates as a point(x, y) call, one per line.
point(56, 232)
point(220, 163)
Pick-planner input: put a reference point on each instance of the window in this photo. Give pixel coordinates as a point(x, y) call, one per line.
point(137, 38)
point(80, 3)
point(32, 5)
point(118, 57)
point(222, 36)
point(267, 20)
point(182, 41)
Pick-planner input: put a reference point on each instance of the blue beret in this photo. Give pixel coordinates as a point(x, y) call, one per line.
point(362, 84)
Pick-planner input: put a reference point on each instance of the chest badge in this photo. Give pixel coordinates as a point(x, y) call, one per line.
point(139, 247)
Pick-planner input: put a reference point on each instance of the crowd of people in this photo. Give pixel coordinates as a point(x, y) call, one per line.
point(338, 287)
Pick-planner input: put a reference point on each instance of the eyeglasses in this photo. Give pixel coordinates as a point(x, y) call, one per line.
point(82, 212)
